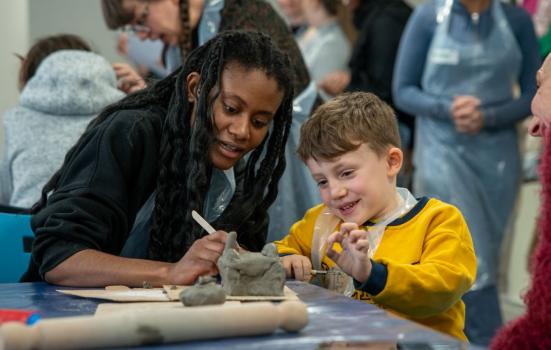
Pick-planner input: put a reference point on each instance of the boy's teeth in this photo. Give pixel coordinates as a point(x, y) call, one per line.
point(348, 206)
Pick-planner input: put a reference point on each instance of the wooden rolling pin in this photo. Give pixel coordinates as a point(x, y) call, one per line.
point(135, 328)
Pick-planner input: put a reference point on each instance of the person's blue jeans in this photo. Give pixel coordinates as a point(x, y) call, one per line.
point(483, 315)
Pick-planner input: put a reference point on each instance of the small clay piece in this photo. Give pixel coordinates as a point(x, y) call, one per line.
point(146, 285)
point(204, 292)
point(258, 274)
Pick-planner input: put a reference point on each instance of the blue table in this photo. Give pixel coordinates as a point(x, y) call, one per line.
point(333, 317)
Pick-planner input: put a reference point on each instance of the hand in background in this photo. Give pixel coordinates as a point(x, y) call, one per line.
point(128, 79)
point(297, 266)
point(354, 258)
point(334, 83)
point(122, 44)
point(466, 114)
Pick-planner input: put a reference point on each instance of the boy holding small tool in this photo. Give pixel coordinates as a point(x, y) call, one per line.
point(412, 256)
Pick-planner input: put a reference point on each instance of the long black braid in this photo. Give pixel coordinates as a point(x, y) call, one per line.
point(184, 165)
point(186, 33)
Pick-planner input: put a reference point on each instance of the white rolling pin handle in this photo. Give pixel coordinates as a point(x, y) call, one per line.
point(147, 327)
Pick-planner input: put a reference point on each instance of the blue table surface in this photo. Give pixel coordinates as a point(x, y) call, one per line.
point(332, 317)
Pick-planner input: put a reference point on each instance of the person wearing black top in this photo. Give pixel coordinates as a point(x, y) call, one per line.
point(119, 209)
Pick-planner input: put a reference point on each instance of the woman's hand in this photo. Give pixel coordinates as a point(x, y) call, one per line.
point(199, 260)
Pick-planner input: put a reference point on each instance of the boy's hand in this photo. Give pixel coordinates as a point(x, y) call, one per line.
point(298, 267)
point(353, 259)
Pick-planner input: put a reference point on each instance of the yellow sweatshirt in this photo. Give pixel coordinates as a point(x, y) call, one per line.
point(429, 257)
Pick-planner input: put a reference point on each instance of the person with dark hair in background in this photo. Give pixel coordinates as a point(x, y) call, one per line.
point(63, 86)
point(119, 209)
point(185, 24)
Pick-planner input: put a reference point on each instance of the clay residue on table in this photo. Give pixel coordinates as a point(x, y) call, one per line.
point(149, 335)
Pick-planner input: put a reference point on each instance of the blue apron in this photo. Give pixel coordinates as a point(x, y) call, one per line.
point(477, 173)
point(297, 191)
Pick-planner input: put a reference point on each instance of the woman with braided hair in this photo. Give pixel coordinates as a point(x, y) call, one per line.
point(118, 210)
point(185, 24)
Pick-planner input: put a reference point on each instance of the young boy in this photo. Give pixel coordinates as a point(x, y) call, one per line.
point(412, 256)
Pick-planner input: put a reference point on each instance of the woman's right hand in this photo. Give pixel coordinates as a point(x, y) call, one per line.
point(199, 260)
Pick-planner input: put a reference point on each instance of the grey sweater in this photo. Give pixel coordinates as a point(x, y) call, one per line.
point(69, 88)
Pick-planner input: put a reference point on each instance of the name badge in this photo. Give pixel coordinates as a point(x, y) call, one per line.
point(444, 56)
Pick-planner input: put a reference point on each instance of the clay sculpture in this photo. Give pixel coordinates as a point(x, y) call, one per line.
point(258, 274)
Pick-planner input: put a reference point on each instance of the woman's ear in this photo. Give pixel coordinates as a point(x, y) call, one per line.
point(395, 158)
point(192, 82)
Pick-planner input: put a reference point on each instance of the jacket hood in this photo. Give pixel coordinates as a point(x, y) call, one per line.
point(71, 82)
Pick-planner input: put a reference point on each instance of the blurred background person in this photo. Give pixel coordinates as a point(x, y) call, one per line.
point(183, 25)
point(145, 55)
point(293, 14)
point(63, 86)
point(457, 67)
point(380, 24)
point(324, 44)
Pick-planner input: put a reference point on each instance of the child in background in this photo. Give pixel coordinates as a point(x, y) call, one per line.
point(412, 256)
point(63, 87)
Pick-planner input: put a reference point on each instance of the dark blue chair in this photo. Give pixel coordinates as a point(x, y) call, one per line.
point(16, 239)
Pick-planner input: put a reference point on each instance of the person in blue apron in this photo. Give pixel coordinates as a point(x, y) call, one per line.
point(185, 24)
point(473, 54)
point(210, 137)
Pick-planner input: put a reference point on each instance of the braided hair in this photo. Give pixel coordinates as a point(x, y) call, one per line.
point(186, 33)
point(184, 166)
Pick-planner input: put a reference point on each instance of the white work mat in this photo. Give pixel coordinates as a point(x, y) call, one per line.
point(165, 294)
point(173, 293)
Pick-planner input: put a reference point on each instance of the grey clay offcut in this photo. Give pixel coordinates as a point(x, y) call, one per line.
point(204, 292)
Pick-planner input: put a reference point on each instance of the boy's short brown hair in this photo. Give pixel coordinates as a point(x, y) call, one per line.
point(342, 124)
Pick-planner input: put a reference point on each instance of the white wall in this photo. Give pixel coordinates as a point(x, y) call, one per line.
point(80, 17)
point(15, 37)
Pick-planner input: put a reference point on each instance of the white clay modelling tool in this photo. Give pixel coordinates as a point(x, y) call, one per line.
point(144, 327)
point(204, 224)
point(318, 272)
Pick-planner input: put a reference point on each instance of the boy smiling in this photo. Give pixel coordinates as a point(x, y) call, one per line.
point(414, 257)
